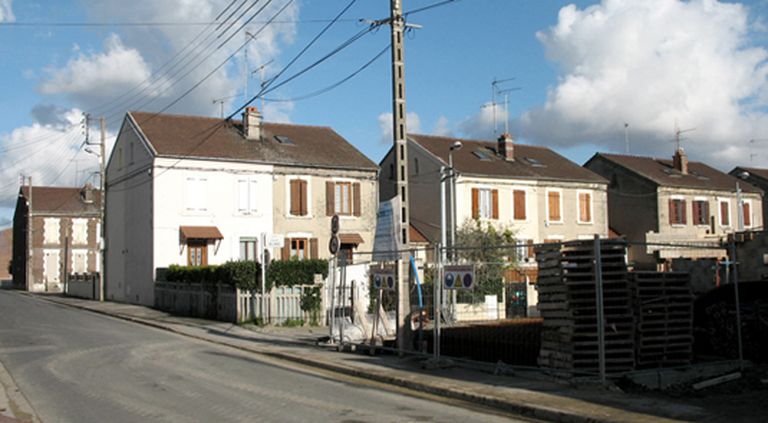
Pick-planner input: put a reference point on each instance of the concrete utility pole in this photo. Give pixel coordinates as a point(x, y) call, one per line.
point(400, 134)
point(102, 189)
point(30, 278)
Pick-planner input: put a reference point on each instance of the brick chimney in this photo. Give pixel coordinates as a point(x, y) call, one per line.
point(680, 161)
point(252, 123)
point(86, 193)
point(506, 147)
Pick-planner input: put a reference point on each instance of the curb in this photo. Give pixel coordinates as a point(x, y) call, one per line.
point(517, 408)
point(20, 410)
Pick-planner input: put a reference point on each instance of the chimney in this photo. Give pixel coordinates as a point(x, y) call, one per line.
point(680, 161)
point(252, 123)
point(86, 193)
point(506, 147)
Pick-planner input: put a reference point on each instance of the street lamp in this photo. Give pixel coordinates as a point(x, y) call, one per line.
point(455, 146)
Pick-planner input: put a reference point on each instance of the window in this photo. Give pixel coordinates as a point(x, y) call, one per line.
point(554, 212)
point(747, 210)
point(248, 250)
point(518, 200)
point(485, 203)
point(677, 211)
point(725, 213)
point(700, 212)
point(247, 196)
point(585, 207)
point(342, 198)
point(298, 198)
point(524, 249)
point(197, 252)
point(300, 247)
point(51, 231)
point(80, 231)
point(195, 194)
point(79, 261)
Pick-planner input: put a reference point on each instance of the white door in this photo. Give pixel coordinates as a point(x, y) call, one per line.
point(51, 267)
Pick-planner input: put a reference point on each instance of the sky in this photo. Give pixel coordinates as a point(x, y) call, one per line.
point(577, 76)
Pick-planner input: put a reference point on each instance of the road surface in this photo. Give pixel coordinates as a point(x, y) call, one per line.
point(77, 366)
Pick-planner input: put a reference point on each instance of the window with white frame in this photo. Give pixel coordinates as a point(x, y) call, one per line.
point(725, 213)
point(700, 211)
point(80, 231)
point(524, 249)
point(342, 198)
point(195, 193)
point(248, 249)
point(79, 261)
point(247, 196)
point(51, 231)
point(484, 204)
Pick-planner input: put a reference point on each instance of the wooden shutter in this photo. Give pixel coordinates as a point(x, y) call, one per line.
point(285, 252)
point(696, 212)
point(724, 215)
point(518, 197)
point(585, 212)
point(304, 198)
point(672, 212)
point(295, 197)
point(313, 248)
point(356, 211)
point(242, 195)
point(531, 251)
point(329, 198)
point(683, 212)
point(494, 204)
point(747, 214)
point(475, 203)
point(553, 198)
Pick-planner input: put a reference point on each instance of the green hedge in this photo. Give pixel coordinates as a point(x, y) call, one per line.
point(296, 272)
point(241, 274)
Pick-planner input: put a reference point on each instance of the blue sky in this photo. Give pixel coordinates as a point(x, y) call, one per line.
point(583, 69)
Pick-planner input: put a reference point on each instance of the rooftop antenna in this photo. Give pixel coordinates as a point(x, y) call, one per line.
point(495, 90)
point(752, 142)
point(262, 81)
point(678, 138)
point(626, 136)
point(506, 106)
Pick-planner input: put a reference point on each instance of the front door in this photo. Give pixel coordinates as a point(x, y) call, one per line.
point(197, 253)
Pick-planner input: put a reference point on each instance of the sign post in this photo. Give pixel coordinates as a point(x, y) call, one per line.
point(333, 248)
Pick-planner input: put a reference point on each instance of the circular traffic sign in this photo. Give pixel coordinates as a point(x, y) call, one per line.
point(390, 282)
point(333, 245)
point(335, 224)
point(449, 280)
point(377, 281)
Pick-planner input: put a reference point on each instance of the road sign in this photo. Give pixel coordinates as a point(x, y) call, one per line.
point(384, 279)
point(335, 224)
point(459, 277)
point(334, 244)
point(276, 241)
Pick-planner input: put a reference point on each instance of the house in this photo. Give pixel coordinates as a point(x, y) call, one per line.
point(65, 233)
point(6, 253)
point(533, 191)
point(194, 190)
point(653, 202)
point(757, 177)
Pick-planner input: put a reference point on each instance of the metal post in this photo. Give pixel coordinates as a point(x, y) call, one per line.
point(30, 276)
point(333, 297)
point(263, 313)
point(436, 302)
point(443, 224)
point(739, 207)
point(102, 190)
point(452, 193)
point(343, 303)
point(600, 312)
point(399, 132)
point(735, 274)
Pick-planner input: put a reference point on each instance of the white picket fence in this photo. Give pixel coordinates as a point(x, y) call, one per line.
point(282, 304)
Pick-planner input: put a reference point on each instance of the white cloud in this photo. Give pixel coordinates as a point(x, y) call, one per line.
point(6, 11)
point(654, 63)
point(412, 120)
point(44, 151)
point(443, 127)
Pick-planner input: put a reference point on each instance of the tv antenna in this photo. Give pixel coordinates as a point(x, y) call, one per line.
point(678, 137)
point(495, 91)
point(752, 142)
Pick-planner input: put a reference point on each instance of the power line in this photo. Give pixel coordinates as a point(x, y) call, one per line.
point(156, 24)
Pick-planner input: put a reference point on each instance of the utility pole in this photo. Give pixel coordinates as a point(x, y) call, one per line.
point(102, 190)
point(400, 134)
point(626, 136)
point(30, 278)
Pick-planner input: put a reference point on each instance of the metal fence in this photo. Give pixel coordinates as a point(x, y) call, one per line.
point(579, 307)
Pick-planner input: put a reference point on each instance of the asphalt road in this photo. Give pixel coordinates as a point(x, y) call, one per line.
point(77, 366)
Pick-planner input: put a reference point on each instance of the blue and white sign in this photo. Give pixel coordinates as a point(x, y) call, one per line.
point(386, 242)
point(459, 277)
point(383, 279)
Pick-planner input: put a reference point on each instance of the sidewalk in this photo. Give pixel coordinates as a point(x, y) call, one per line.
point(14, 407)
point(528, 394)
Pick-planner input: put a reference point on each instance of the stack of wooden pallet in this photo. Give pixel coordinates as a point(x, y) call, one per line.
point(568, 304)
point(664, 310)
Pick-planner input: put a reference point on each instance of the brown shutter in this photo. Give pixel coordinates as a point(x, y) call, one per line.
point(295, 200)
point(672, 210)
point(519, 200)
point(313, 248)
point(329, 198)
point(747, 214)
point(356, 199)
point(587, 207)
point(696, 212)
point(724, 215)
point(684, 211)
point(531, 252)
point(554, 206)
point(285, 252)
point(494, 204)
point(475, 203)
point(304, 198)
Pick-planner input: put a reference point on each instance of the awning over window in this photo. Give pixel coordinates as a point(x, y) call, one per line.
point(200, 232)
point(352, 238)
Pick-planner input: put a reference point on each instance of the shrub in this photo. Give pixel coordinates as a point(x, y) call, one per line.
point(295, 272)
point(311, 303)
point(241, 274)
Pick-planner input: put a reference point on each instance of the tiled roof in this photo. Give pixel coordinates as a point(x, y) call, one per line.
point(479, 158)
point(662, 173)
point(61, 201)
point(217, 139)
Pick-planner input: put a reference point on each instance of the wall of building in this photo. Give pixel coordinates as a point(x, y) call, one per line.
point(20, 243)
point(317, 224)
